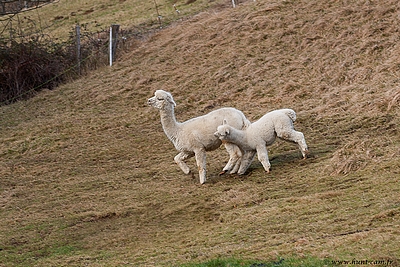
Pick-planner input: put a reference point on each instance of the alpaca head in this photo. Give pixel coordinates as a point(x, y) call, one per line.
point(161, 100)
point(223, 131)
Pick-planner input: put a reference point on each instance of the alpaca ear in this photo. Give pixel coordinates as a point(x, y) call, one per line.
point(171, 100)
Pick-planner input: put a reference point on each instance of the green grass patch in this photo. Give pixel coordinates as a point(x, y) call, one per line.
point(63, 250)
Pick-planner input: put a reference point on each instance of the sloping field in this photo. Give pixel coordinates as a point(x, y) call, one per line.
point(88, 178)
point(58, 19)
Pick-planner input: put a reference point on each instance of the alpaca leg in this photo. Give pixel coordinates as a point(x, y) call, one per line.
point(237, 165)
point(246, 161)
point(296, 137)
point(201, 164)
point(235, 156)
point(180, 160)
point(301, 142)
point(262, 154)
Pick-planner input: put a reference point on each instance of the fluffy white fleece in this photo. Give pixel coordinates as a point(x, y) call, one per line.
point(262, 133)
point(196, 136)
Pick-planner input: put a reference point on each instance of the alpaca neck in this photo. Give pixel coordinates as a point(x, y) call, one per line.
point(239, 137)
point(169, 123)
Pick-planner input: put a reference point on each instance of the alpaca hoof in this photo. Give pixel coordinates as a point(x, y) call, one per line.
point(222, 172)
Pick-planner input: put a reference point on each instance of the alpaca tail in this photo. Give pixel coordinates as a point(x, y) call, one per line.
point(290, 113)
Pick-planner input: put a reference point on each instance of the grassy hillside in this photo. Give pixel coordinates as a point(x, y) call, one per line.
point(59, 18)
point(88, 178)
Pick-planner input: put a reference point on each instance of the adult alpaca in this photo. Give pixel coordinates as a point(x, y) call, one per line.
point(196, 136)
point(262, 133)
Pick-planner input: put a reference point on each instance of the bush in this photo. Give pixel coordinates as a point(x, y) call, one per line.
point(28, 67)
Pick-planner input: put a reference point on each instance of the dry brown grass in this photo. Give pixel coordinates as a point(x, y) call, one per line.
point(59, 18)
point(87, 175)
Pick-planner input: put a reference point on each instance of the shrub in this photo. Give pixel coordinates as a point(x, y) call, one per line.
point(27, 67)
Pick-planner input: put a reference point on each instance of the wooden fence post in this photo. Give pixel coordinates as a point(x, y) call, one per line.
point(78, 48)
point(3, 7)
point(113, 42)
point(235, 3)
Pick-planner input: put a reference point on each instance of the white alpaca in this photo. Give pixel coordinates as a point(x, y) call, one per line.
point(196, 136)
point(261, 134)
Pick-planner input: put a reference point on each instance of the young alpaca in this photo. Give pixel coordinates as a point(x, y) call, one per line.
point(196, 136)
point(261, 134)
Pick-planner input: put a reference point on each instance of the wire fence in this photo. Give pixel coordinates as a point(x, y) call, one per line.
point(46, 83)
point(32, 60)
point(32, 64)
point(16, 6)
